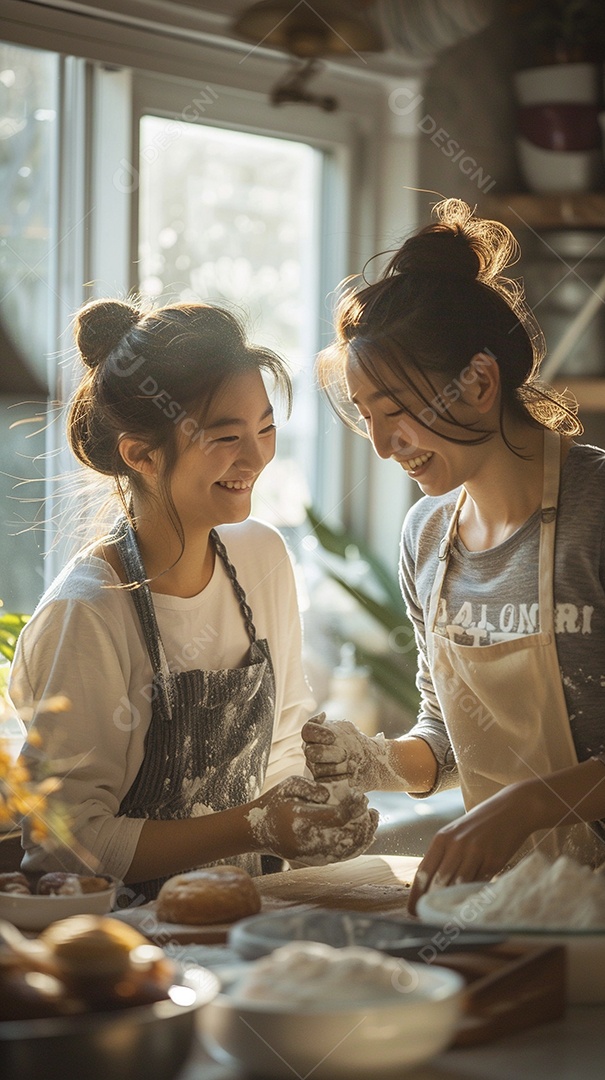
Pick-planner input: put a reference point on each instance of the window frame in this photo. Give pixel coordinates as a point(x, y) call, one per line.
point(348, 139)
point(101, 84)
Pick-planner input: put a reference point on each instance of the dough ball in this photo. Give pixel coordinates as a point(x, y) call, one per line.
point(213, 894)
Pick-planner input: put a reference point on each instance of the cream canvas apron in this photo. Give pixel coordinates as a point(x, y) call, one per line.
point(503, 704)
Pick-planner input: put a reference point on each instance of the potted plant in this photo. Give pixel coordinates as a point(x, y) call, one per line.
point(364, 578)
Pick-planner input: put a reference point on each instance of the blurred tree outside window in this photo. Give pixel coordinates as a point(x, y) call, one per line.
point(28, 132)
point(231, 217)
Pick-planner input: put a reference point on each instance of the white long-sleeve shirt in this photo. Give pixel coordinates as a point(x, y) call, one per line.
point(85, 641)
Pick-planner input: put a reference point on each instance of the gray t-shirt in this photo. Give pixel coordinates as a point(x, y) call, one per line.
point(492, 595)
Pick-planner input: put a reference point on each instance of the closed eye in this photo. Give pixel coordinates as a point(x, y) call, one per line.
point(233, 438)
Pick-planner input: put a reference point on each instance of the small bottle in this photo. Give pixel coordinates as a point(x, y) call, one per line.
point(350, 696)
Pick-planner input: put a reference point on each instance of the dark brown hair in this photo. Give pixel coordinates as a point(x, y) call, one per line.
point(441, 300)
point(148, 373)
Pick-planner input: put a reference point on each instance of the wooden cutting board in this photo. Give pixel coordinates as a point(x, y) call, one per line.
point(378, 883)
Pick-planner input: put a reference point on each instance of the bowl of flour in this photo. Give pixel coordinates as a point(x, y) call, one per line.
point(536, 902)
point(310, 1010)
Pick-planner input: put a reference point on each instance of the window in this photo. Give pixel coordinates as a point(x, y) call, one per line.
point(250, 205)
point(28, 133)
point(231, 217)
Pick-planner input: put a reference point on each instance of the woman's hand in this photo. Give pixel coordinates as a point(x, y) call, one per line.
point(294, 822)
point(476, 846)
point(338, 749)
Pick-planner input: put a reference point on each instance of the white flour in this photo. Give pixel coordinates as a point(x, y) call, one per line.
point(308, 973)
point(538, 893)
point(325, 846)
point(256, 817)
point(368, 760)
point(317, 844)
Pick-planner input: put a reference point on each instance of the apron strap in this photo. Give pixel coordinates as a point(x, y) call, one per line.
point(245, 609)
point(443, 557)
point(548, 524)
point(123, 536)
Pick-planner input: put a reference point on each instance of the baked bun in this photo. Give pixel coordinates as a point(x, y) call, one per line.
point(106, 963)
point(59, 883)
point(213, 894)
point(14, 882)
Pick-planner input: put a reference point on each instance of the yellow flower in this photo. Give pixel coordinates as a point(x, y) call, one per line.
point(20, 795)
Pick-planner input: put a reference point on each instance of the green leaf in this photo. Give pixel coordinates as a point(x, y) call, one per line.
point(339, 542)
point(392, 679)
point(394, 672)
point(391, 620)
point(11, 625)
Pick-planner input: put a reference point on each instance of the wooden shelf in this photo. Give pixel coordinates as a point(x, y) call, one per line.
point(519, 210)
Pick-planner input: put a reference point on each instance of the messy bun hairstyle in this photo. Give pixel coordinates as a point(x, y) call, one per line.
point(152, 375)
point(442, 299)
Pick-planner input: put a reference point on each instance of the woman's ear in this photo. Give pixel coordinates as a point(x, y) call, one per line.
point(481, 379)
point(137, 456)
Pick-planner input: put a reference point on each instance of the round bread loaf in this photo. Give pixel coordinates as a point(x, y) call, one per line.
point(213, 894)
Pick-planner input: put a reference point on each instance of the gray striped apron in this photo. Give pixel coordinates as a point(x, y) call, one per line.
point(210, 734)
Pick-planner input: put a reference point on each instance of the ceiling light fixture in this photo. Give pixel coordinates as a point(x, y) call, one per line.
point(307, 31)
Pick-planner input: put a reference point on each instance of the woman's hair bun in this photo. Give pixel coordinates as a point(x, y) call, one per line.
point(101, 325)
point(457, 245)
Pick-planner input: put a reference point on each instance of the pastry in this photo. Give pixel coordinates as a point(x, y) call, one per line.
point(59, 883)
point(213, 894)
point(14, 882)
point(107, 963)
point(83, 963)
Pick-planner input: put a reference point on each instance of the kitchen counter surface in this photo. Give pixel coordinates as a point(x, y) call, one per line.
point(570, 1049)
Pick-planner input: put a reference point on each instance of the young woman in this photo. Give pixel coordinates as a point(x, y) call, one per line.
point(502, 562)
point(176, 639)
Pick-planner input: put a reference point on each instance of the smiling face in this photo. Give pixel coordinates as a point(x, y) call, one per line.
point(216, 469)
point(417, 433)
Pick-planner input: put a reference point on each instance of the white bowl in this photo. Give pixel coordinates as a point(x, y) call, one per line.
point(38, 912)
point(570, 83)
point(585, 948)
point(331, 1043)
point(560, 171)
